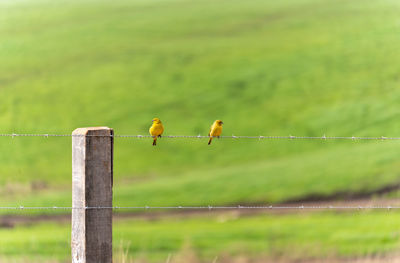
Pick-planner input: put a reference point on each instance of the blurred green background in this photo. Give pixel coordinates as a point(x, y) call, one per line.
point(291, 67)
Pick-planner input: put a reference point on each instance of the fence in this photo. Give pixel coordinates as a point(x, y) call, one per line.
point(291, 137)
point(92, 182)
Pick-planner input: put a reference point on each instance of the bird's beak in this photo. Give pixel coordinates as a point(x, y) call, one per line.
point(222, 122)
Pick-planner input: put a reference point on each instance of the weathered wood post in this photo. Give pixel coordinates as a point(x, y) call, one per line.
point(92, 178)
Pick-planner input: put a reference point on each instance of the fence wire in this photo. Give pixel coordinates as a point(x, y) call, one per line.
point(290, 137)
point(239, 207)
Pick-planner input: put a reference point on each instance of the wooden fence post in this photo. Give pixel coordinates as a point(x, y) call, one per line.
point(92, 178)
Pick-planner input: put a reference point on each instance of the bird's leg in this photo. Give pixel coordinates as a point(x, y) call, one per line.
point(159, 136)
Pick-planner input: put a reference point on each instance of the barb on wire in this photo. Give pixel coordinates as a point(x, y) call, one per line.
point(209, 207)
point(260, 137)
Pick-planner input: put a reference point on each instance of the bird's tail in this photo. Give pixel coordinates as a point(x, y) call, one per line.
point(155, 141)
point(209, 141)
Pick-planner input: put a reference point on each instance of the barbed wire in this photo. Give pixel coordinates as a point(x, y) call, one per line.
point(209, 207)
point(290, 137)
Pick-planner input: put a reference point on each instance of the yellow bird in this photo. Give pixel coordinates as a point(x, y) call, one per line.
point(215, 130)
point(156, 130)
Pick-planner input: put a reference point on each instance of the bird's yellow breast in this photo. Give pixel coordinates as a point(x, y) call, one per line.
point(215, 130)
point(156, 129)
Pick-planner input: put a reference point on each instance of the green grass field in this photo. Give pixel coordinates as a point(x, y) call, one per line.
point(305, 236)
point(292, 67)
point(264, 68)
